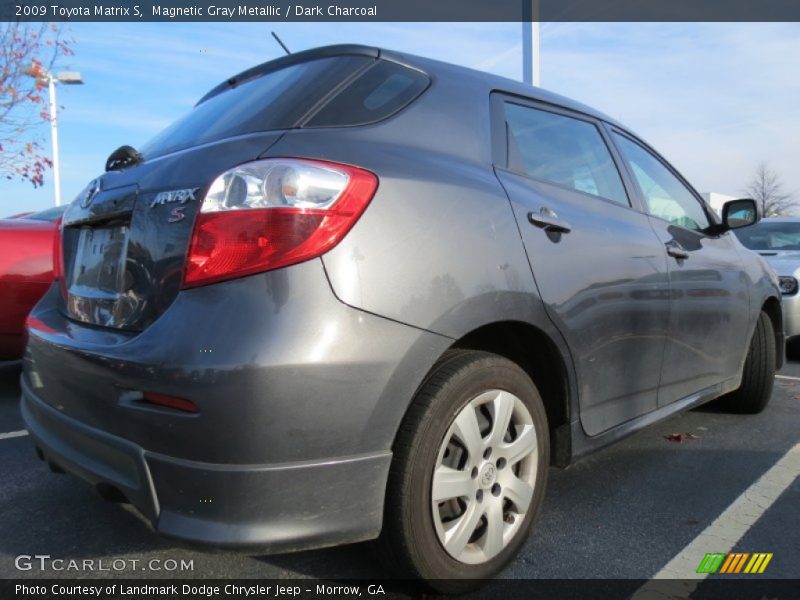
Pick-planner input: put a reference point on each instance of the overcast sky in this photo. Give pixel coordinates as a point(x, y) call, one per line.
point(715, 99)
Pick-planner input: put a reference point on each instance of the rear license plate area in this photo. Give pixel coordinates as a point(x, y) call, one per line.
point(99, 265)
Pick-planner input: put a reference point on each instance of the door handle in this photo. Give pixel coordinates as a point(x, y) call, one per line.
point(548, 220)
point(675, 250)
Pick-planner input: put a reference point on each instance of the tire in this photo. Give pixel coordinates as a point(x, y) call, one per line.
point(758, 375)
point(461, 384)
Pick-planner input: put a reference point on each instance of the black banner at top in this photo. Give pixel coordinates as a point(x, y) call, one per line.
point(400, 10)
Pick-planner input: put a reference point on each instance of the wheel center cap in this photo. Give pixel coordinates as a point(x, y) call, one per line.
point(487, 475)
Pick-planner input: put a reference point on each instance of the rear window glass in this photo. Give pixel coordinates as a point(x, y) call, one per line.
point(377, 94)
point(276, 100)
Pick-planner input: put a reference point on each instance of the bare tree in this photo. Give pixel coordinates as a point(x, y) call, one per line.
point(28, 52)
point(766, 188)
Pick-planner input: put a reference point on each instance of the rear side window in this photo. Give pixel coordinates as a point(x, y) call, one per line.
point(377, 94)
point(275, 100)
point(562, 150)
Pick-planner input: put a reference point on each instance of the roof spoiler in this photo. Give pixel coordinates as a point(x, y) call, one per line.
point(292, 59)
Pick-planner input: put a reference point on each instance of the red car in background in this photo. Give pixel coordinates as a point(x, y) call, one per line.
point(26, 271)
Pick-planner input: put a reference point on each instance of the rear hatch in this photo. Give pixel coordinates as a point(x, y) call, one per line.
point(125, 237)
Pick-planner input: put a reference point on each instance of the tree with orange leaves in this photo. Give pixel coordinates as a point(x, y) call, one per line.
point(27, 54)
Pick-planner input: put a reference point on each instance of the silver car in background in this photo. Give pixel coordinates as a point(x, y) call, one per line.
point(777, 239)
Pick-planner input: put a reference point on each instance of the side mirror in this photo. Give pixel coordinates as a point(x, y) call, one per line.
point(740, 213)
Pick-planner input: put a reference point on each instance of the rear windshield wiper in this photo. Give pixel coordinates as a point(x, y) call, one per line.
point(122, 157)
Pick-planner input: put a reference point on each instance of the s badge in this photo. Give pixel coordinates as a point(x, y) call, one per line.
point(179, 197)
point(177, 214)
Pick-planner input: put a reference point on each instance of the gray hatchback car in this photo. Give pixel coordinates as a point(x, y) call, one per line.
point(358, 294)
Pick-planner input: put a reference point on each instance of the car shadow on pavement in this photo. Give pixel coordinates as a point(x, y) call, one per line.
point(353, 561)
point(9, 377)
point(75, 521)
point(363, 562)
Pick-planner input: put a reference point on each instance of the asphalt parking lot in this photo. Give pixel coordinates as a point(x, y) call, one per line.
point(624, 512)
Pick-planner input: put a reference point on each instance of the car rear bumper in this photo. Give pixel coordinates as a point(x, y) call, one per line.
point(274, 508)
point(298, 400)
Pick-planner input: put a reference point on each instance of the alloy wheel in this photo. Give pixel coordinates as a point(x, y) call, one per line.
point(484, 478)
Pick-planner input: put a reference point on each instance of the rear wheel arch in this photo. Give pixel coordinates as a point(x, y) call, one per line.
point(540, 357)
point(484, 474)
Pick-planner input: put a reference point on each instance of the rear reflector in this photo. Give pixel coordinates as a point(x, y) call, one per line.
point(274, 213)
point(171, 402)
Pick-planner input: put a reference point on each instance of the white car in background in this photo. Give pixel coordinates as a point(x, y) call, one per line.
point(777, 239)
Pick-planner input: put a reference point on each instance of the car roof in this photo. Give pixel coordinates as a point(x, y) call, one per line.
point(489, 82)
point(780, 220)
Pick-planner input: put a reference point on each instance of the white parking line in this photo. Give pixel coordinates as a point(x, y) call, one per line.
point(787, 377)
point(722, 535)
point(13, 434)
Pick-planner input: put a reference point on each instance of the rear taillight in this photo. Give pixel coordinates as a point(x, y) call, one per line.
point(274, 213)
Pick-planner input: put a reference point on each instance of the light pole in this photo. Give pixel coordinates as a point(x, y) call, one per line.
point(531, 47)
point(67, 78)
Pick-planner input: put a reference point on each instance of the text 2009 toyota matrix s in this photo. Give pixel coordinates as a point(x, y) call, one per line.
point(358, 294)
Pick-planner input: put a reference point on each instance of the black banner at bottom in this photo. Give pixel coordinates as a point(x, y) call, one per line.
point(733, 588)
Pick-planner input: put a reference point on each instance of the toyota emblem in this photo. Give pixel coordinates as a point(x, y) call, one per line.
point(91, 191)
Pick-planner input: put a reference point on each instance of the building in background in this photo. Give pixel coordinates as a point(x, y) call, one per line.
point(716, 200)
